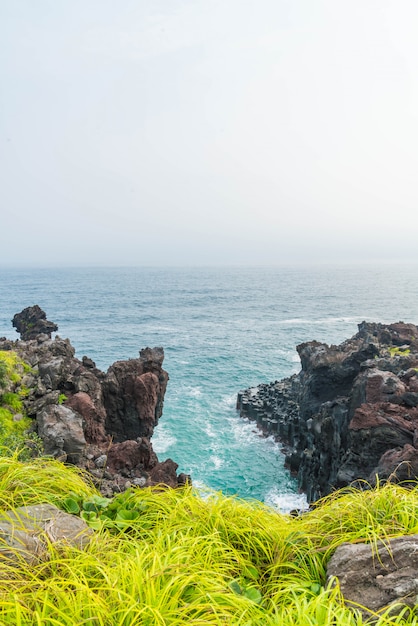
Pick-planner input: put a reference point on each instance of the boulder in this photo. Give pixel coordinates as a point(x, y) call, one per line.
point(164, 474)
point(374, 578)
point(26, 532)
point(398, 464)
point(131, 458)
point(93, 416)
point(61, 430)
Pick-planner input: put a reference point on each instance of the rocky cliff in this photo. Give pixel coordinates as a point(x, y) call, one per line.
point(350, 414)
point(99, 421)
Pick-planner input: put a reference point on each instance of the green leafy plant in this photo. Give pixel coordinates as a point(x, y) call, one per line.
point(245, 585)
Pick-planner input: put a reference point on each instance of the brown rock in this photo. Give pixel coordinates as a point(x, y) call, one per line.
point(93, 417)
point(133, 396)
point(385, 413)
point(130, 455)
point(399, 465)
point(164, 474)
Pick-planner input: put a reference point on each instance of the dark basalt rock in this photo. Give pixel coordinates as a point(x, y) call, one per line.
point(32, 322)
point(99, 421)
point(133, 394)
point(346, 410)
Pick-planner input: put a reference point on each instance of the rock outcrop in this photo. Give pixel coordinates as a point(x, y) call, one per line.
point(133, 395)
point(32, 322)
point(99, 421)
point(350, 414)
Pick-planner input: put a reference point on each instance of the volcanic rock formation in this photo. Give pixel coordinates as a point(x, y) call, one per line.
point(351, 413)
point(99, 421)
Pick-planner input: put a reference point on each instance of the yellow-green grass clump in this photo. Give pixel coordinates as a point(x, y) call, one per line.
point(171, 557)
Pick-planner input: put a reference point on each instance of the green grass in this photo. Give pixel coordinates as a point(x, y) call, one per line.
point(171, 557)
point(397, 351)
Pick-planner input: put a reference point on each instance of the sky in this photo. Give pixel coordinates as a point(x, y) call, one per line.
point(208, 132)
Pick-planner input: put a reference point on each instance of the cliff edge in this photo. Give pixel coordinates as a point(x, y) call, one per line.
point(350, 414)
point(101, 422)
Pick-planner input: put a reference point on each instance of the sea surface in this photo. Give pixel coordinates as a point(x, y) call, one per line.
point(222, 330)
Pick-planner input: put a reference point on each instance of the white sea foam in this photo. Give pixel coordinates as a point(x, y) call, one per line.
point(163, 439)
point(229, 401)
point(322, 320)
point(217, 461)
point(243, 430)
point(209, 430)
point(285, 502)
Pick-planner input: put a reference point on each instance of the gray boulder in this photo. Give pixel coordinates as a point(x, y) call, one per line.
point(26, 532)
point(377, 577)
point(61, 430)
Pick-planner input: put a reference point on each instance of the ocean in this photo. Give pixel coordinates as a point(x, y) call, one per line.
point(223, 329)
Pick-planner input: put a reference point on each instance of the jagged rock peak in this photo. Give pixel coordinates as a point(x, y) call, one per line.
point(32, 322)
point(152, 358)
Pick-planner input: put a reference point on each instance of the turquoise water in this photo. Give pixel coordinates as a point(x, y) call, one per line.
point(222, 329)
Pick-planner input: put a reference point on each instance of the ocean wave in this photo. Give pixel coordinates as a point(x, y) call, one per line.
point(285, 502)
point(322, 320)
point(163, 439)
point(209, 430)
point(217, 461)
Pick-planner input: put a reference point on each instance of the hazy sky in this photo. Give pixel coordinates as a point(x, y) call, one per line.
point(189, 132)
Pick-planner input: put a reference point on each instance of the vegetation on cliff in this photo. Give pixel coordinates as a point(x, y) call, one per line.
point(14, 423)
point(170, 556)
